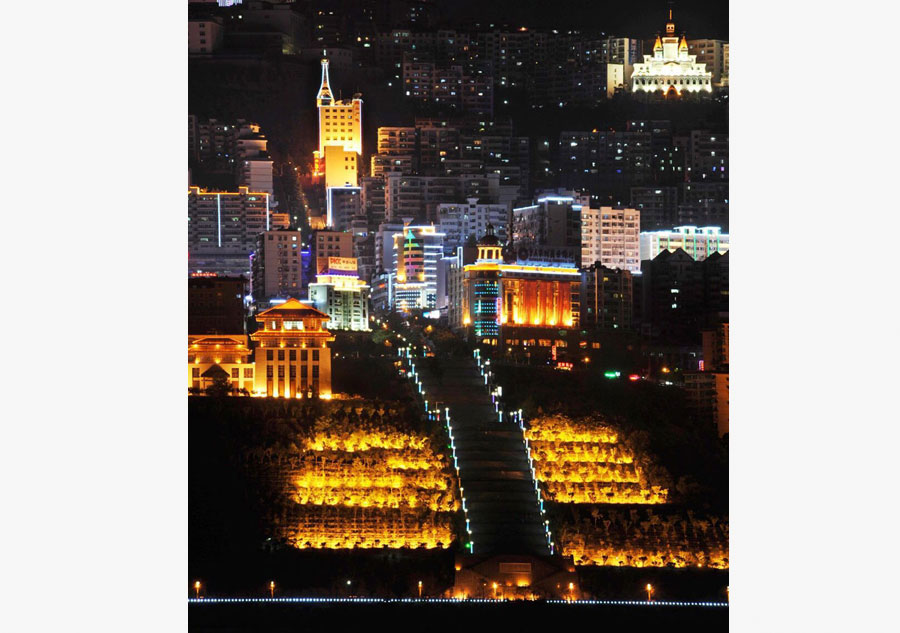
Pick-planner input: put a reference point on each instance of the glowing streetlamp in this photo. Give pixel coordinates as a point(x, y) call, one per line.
point(571, 591)
point(197, 588)
point(272, 588)
point(495, 590)
point(727, 595)
point(649, 592)
point(420, 589)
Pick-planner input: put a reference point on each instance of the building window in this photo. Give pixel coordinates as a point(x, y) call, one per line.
point(281, 371)
point(292, 354)
point(281, 354)
point(304, 355)
point(235, 372)
point(195, 372)
point(269, 355)
point(248, 372)
point(315, 355)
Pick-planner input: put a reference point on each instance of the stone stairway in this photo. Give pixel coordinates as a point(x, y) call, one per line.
point(502, 506)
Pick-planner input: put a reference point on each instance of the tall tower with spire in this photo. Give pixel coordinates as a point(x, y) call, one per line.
point(340, 137)
point(324, 98)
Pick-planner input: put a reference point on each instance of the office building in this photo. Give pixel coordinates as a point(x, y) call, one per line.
point(340, 294)
point(416, 251)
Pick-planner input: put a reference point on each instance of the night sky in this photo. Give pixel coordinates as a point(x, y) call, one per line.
point(699, 18)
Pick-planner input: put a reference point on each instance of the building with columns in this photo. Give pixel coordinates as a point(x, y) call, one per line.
point(516, 303)
point(671, 69)
point(292, 357)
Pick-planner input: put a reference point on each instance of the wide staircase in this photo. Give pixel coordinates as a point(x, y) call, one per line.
point(502, 505)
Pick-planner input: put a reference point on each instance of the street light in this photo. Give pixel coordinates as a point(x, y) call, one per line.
point(197, 588)
point(420, 589)
point(649, 592)
point(495, 590)
point(272, 588)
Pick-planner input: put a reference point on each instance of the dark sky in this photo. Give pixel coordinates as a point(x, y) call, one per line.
point(698, 18)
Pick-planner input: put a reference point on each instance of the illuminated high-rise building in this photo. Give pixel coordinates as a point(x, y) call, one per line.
point(341, 294)
point(417, 249)
point(340, 136)
point(671, 69)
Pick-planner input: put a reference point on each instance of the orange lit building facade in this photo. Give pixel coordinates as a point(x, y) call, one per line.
point(504, 301)
point(291, 357)
point(220, 356)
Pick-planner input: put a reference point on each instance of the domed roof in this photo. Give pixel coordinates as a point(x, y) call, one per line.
point(489, 238)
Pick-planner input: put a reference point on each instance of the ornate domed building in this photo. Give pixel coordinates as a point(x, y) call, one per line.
point(671, 69)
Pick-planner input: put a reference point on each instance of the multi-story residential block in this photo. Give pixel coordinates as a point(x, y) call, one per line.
point(714, 55)
point(277, 265)
point(703, 204)
point(343, 205)
point(216, 304)
point(707, 393)
point(612, 237)
point(607, 299)
point(680, 296)
point(658, 206)
point(461, 222)
point(698, 242)
point(708, 156)
point(222, 229)
point(205, 35)
point(419, 196)
point(715, 348)
point(553, 222)
point(332, 244)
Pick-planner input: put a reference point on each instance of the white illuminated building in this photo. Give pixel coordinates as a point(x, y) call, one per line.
point(671, 69)
point(699, 243)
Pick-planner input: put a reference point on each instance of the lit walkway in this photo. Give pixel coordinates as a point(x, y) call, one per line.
point(493, 469)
